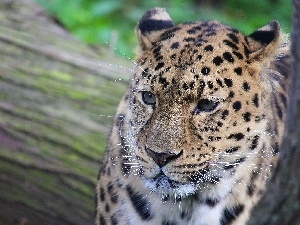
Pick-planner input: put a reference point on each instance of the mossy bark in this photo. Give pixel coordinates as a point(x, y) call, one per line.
point(281, 203)
point(57, 96)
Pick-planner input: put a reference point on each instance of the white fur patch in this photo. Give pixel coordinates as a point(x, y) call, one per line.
point(166, 187)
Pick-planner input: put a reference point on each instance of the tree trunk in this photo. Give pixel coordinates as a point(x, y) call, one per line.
point(56, 99)
point(281, 203)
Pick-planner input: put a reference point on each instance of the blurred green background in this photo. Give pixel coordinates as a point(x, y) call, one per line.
point(112, 22)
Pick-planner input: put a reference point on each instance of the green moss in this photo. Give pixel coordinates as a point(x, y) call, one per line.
point(47, 182)
point(77, 95)
point(60, 76)
point(17, 179)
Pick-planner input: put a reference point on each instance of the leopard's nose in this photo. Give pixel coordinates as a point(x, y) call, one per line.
point(162, 158)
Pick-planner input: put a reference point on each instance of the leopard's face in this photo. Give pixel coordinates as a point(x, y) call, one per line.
point(196, 107)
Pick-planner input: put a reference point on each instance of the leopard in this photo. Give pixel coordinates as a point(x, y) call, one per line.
point(197, 134)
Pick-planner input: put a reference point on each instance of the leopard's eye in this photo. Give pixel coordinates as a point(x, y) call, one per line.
point(148, 98)
point(206, 105)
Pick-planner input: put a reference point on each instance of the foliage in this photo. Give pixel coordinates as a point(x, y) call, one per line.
point(113, 21)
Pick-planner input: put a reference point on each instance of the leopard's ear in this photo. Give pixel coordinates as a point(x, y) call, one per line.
point(151, 26)
point(263, 42)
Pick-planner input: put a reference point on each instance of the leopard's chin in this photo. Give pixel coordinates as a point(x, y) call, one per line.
point(168, 188)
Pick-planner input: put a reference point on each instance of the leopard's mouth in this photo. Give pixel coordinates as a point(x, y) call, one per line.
point(163, 185)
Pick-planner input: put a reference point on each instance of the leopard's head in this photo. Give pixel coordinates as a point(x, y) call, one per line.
point(198, 100)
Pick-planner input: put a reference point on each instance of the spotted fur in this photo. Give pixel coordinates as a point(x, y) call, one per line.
point(198, 131)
